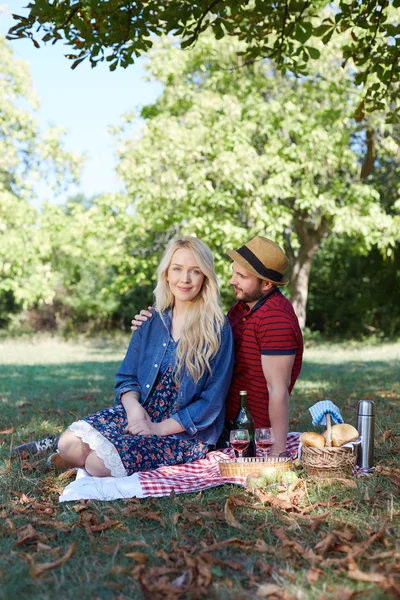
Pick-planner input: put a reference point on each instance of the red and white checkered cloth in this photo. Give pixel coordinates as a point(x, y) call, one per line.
point(198, 475)
point(180, 479)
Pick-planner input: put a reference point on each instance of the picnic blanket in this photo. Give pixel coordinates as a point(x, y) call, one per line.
point(178, 479)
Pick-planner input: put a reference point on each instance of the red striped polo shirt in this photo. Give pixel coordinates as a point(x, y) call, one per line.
point(271, 327)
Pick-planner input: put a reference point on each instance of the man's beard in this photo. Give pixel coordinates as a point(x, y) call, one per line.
point(253, 297)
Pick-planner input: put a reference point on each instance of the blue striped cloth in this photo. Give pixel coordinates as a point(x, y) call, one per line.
point(320, 409)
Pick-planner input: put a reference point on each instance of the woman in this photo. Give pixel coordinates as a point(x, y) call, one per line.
point(172, 383)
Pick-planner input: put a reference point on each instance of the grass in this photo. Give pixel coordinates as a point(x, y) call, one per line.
point(136, 548)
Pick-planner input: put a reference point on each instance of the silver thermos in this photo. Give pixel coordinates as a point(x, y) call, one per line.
point(366, 428)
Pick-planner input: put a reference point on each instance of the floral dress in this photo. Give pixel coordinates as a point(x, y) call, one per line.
point(123, 453)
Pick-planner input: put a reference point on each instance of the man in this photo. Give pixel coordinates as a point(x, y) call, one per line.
point(268, 339)
point(267, 335)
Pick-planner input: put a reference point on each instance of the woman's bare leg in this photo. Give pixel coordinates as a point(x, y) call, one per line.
point(95, 466)
point(72, 449)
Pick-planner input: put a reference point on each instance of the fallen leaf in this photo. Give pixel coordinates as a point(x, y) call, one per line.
point(313, 575)
point(68, 474)
point(204, 573)
point(232, 564)
point(38, 570)
point(7, 468)
point(107, 524)
point(326, 544)
point(137, 544)
point(139, 557)
point(8, 431)
point(175, 518)
point(11, 525)
point(383, 439)
point(269, 498)
point(261, 546)
point(349, 483)
point(268, 589)
point(342, 593)
point(223, 544)
point(356, 574)
point(384, 555)
point(155, 517)
point(79, 507)
point(27, 534)
point(345, 535)
point(229, 516)
point(40, 547)
point(290, 576)
point(391, 473)
point(280, 534)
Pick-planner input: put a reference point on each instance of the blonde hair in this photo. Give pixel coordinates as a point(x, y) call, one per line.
point(200, 336)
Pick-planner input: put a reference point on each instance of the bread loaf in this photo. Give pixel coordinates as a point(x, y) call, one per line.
point(312, 439)
point(341, 434)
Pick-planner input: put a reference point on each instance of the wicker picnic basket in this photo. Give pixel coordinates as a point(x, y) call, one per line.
point(242, 467)
point(328, 461)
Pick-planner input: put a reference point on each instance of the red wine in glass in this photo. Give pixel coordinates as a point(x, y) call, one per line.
point(264, 444)
point(264, 438)
point(239, 440)
point(239, 445)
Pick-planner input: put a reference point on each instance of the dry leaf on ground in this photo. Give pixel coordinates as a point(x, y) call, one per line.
point(345, 535)
point(313, 575)
point(229, 516)
point(38, 570)
point(139, 557)
point(356, 574)
point(384, 437)
point(28, 534)
point(269, 498)
point(268, 589)
point(326, 544)
point(345, 482)
point(7, 468)
point(223, 544)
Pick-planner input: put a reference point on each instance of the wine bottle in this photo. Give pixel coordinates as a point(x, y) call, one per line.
point(244, 420)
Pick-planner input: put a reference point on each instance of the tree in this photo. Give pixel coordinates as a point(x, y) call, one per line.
point(229, 153)
point(25, 155)
point(285, 31)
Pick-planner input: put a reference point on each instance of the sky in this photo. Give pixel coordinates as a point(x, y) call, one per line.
point(85, 102)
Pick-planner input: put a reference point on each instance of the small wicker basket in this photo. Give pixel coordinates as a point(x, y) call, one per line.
point(328, 461)
point(243, 467)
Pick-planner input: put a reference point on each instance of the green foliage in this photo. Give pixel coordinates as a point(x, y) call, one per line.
point(26, 155)
point(289, 32)
point(228, 153)
point(352, 295)
point(225, 153)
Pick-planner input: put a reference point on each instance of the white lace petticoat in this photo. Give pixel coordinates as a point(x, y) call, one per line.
point(101, 445)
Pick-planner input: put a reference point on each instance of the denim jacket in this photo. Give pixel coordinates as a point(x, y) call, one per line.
point(201, 406)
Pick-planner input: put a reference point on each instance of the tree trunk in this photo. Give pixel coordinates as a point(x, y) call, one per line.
point(310, 240)
point(370, 155)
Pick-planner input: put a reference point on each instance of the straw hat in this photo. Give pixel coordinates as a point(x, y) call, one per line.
point(263, 258)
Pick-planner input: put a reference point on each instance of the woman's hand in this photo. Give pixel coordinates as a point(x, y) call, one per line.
point(143, 427)
point(135, 414)
point(144, 316)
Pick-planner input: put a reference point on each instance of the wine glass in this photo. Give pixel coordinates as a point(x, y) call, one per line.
point(239, 440)
point(264, 438)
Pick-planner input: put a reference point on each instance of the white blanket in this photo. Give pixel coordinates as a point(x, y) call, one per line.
point(86, 487)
